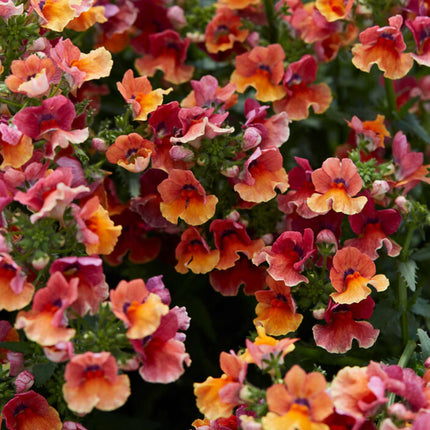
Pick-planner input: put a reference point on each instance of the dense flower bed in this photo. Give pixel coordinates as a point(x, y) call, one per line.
point(236, 189)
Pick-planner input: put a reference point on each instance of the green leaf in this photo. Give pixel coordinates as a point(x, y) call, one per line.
point(422, 254)
point(408, 271)
point(421, 307)
point(411, 124)
point(16, 346)
point(42, 372)
point(424, 343)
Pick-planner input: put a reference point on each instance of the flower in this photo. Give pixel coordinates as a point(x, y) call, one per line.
point(55, 14)
point(332, 10)
point(92, 381)
point(336, 183)
point(351, 272)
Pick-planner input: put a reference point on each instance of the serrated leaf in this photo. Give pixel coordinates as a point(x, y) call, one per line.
point(16, 346)
point(421, 307)
point(424, 343)
point(408, 271)
point(42, 372)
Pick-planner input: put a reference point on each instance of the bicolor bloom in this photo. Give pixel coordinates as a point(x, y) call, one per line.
point(300, 402)
point(29, 411)
point(139, 309)
point(15, 147)
point(300, 94)
point(32, 76)
point(87, 15)
point(139, 94)
point(343, 326)
point(420, 28)
point(184, 197)
point(15, 291)
point(193, 253)
point(287, 256)
point(262, 68)
point(384, 47)
point(332, 10)
point(216, 397)
point(55, 14)
point(276, 309)
point(352, 271)
point(336, 183)
point(132, 152)
point(92, 381)
point(80, 67)
point(239, 4)
point(167, 52)
point(95, 228)
point(46, 322)
point(262, 174)
point(371, 134)
point(224, 30)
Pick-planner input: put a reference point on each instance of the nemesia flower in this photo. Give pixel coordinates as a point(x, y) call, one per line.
point(46, 322)
point(300, 95)
point(167, 52)
point(332, 10)
point(80, 67)
point(287, 256)
point(92, 381)
point(371, 133)
point(87, 15)
point(60, 352)
point(194, 254)
point(30, 411)
point(15, 291)
point(15, 147)
point(384, 47)
point(263, 172)
point(140, 309)
point(55, 14)
point(300, 402)
point(162, 353)
point(276, 310)
point(420, 28)
point(373, 228)
point(351, 272)
point(336, 183)
point(32, 76)
point(7, 334)
point(342, 326)
point(24, 381)
point(95, 228)
point(132, 152)
point(239, 4)
point(224, 30)
point(138, 92)
point(184, 197)
point(8, 9)
point(262, 68)
point(216, 397)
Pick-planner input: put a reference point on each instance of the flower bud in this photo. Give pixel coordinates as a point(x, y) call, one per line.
point(40, 260)
point(24, 381)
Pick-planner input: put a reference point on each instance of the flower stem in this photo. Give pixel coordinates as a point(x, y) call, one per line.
point(391, 96)
point(270, 15)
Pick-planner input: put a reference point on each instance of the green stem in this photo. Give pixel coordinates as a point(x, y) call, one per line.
point(270, 15)
point(391, 97)
point(10, 103)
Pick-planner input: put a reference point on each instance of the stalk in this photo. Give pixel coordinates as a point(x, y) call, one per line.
point(270, 15)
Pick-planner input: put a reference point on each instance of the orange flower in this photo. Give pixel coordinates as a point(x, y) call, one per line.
point(351, 272)
point(332, 10)
point(92, 381)
point(131, 151)
point(194, 254)
point(384, 47)
point(87, 15)
point(140, 310)
point(336, 182)
point(56, 14)
point(372, 133)
point(184, 197)
point(17, 152)
point(95, 229)
point(263, 69)
point(239, 4)
point(138, 92)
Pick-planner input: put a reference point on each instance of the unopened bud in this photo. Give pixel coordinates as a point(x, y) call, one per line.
point(40, 260)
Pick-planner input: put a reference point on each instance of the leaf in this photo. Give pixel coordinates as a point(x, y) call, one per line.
point(410, 124)
point(42, 372)
point(422, 254)
point(421, 307)
point(16, 346)
point(424, 343)
point(408, 271)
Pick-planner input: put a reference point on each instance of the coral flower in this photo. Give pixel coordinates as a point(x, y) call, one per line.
point(276, 310)
point(332, 10)
point(138, 92)
point(263, 172)
point(167, 52)
point(95, 229)
point(30, 411)
point(301, 402)
point(370, 133)
point(351, 272)
point(132, 152)
point(46, 322)
point(55, 14)
point(384, 47)
point(15, 147)
point(300, 95)
point(32, 76)
point(239, 4)
point(224, 30)
point(262, 68)
point(194, 254)
point(87, 15)
point(15, 292)
point(336, 182)
point(420, 27)
point(140, 309)
point(184, 197)
point(92, 381)
point(287, 256)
